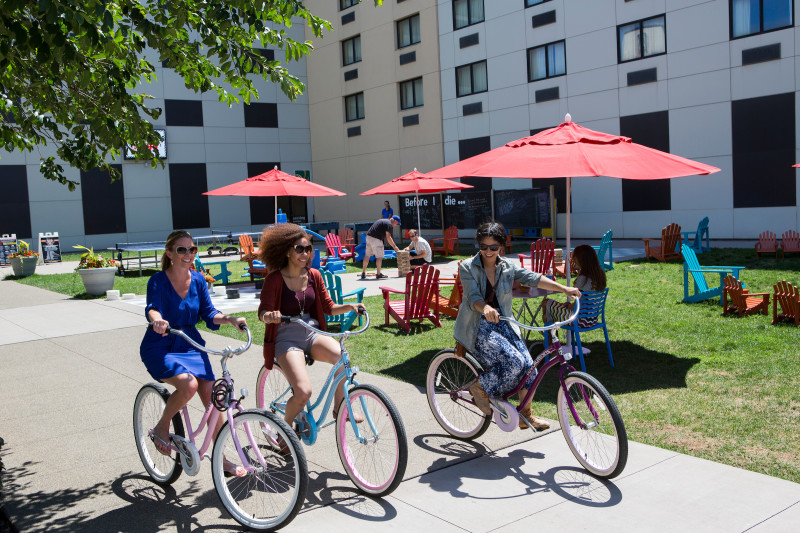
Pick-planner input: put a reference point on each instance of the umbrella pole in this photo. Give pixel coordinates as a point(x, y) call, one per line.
point(419, 223)
point(567, 253)
point(276, 209)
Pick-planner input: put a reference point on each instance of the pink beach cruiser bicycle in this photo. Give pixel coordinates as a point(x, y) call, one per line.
point(270, 495)
point(590, 420)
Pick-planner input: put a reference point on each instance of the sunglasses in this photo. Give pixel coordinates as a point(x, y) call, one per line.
point(492, 247)
point(300, 249)
point(181, 250)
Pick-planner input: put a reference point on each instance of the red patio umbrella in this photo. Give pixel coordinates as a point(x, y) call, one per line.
point(571, 150)
point(274, 183)
point(416, 182)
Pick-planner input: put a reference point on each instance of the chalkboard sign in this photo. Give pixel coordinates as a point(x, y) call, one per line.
point(49, 248)
point(467, 209)
point(430, 211)
point(8, 246)
point(523, 208)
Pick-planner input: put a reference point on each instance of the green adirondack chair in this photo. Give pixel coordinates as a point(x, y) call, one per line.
point(606, 248)
point(701, 289)
point(696, 238)
point(334, 285)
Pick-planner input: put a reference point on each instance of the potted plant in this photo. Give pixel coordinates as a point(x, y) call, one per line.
point(24, 260)
point(96, 272)
point(209, 279)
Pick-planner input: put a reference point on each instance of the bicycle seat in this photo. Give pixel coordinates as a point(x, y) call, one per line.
point(309, 360)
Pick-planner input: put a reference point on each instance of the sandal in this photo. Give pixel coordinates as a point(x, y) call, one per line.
point(233, 470)
point(163, 447)
point(359, 418)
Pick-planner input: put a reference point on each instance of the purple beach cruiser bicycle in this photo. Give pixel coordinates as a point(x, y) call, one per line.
point(590, 420)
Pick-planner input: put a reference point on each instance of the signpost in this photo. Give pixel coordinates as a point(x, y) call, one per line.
point(8, 246)
point(49, 248)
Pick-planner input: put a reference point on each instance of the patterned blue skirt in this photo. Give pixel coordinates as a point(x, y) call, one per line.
point(504, 357)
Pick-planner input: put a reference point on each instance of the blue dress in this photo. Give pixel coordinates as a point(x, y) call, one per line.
point(165, 357)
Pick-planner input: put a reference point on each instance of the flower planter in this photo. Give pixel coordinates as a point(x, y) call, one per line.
point(98, 280)
point(210, 288)
point(24, 266)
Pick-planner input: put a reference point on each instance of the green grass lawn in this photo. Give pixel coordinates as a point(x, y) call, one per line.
point(686, 378)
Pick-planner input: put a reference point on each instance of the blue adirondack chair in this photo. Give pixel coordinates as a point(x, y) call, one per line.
point(606, 248)
point(591, 316)
point(695, 238)
point(361, 249)
point(334, 285)
point(701, 289)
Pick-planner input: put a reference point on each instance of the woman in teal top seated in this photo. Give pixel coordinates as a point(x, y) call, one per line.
point(487, 280)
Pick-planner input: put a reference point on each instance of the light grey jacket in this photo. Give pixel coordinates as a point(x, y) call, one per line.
point(473, 280)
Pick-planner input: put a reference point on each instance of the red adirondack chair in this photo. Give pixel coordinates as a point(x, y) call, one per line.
point(788, 296)
point(449, 242)
point(335, 248)
point(767, 244)
point(347, 238)
point(542, 257)
point(790, 242)
point(247, 253)
point(669, 247)
point(421, 284)
point(736, 298)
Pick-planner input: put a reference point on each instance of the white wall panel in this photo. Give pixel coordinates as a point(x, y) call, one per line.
point(644, 224)
point(594, 106)
point(645, 98)
point(592, 50)
point(142, 181)
point(713, 191)
point(584, 16)
point(699, 60)
point(762, 79)
point(508, 120)
point(749, 223)
point(148, 214)
point(701, 131)
point(589, 81)
point(697, 26)
point(700, 89)
point(505, 35)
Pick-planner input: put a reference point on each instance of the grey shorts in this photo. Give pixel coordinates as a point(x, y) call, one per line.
point(295, 337)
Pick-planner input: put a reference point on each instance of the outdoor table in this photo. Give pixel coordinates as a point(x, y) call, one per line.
point(137, 248)
point(223, 264)
point(526, 315)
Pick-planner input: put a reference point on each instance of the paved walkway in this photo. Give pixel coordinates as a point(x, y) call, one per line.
point(70, 371)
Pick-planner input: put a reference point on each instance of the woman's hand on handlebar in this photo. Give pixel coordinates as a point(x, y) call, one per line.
point(271, 317)
point(160, 326)
point(238, 321)
point(358, 308)
point(572, 292)
point(491, 314)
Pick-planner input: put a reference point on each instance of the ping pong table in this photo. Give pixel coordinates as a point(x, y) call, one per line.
point(137, 248)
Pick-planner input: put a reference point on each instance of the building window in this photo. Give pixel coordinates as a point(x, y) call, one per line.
point(531, 3)
point(749, 17)
point(467, 13)
point(354, 107)
point(408, 31)
point(351, 50)
point(643, 38)
point(547, 61)
point(344, 4)
point(411, 94)
point(183, 112)
point(103, 202)
point(260, 115)
point(471, 79)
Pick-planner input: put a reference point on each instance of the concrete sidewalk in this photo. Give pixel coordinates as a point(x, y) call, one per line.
point(71, 370)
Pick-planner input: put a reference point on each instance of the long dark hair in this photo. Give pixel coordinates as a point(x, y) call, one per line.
point(172, 238)
point(589, 266)
point(275, 243)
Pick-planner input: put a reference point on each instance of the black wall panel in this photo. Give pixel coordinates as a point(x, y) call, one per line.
point(559, 184)
point(187, 183)
point(261, 115)
point(764, 151)
point(15, 209)
point(103, 202)
point(183, 112)
point(262, 208)
point(468, 148)
point(652, 130)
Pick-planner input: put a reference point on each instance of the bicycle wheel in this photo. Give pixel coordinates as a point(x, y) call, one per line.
point(601, 444)
point(377, 462)
point(448, 397)
point(147, 410)
point(272, 385)
point(271, 494)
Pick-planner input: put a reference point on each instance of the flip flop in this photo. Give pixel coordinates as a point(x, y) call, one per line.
point(232, 470)
point(163, 447)
point(336, 415)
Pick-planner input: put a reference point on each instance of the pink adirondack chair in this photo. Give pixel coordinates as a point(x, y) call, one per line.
point(790, 242)
point(767, 244)
point(542, 257)
point(422, 284)
point(347, 238)
point(335, 247)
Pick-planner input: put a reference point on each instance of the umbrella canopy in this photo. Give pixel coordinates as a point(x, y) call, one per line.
point(416, 182)
point(274, 183)
point(570, 150)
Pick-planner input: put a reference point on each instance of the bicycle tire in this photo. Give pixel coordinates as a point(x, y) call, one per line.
point(361, 460)
point(449, 376)
point(265, 498)
point(147, 410)
point(270, 385)
point(601, 448)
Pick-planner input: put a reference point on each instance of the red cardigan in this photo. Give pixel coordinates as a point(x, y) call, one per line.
point(271, 301)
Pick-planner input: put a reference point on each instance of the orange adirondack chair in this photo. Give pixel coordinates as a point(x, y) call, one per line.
point(507, 248)
point(788, 296)
point(449, 242)
point(542, 257)
point(247, 253)
point(449, 305)
point(421, 284)
point(767, 244)
point(335, 246)
point(790, 242)
point(670, 244)
point(347, 238)
point(737, 298)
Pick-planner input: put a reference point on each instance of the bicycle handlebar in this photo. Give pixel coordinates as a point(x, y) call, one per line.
point(362, 312)
point(554, 325)
point(227, 351)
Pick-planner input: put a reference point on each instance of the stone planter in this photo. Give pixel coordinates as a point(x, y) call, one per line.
point(210, 288)
point(24, 266)
point(98, 280)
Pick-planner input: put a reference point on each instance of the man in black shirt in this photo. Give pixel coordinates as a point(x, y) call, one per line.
point(381, 229)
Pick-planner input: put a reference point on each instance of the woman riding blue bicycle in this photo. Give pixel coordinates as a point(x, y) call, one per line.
point(487, 280)
point(293, 289)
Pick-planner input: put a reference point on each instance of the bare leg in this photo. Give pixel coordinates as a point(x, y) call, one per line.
point(293, 365)
point(186, 386)
point(364, 264)
point(378, 261)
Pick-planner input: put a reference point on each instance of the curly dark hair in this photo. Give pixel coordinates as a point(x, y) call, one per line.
point(494, 230)
point(275, 243)
point(586, 259)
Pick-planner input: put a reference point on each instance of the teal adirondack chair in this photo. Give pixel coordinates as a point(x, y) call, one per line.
point(701, 289)
point(695, 238)
point(334, 285)
point(606, 248)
